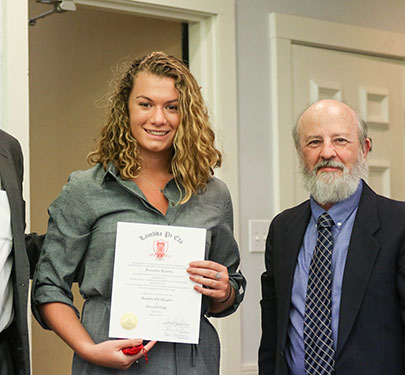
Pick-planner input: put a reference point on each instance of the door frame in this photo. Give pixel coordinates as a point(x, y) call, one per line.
point(14, 77)
point(212, 55)
point(285, 31)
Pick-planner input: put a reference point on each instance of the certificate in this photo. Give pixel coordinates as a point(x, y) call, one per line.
point(152, 295)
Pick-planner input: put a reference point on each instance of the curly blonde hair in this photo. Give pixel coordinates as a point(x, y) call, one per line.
point(194, 155)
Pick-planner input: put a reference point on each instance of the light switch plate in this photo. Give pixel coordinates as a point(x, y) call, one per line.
point(258, 230)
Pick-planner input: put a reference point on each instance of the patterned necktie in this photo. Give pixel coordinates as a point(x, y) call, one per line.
point(318, 341)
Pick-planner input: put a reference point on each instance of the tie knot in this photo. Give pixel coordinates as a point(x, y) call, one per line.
point(325, 221)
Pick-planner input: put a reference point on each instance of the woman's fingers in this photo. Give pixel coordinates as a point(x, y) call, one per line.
point(212, 277)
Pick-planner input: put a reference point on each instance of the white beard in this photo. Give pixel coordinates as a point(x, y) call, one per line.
point(333, 187)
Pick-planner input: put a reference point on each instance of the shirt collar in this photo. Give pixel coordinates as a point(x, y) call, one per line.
point(111, 170)
point(173, 191)
point(340, 211)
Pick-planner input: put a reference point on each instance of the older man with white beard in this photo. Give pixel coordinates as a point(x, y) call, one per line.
point(334, 286)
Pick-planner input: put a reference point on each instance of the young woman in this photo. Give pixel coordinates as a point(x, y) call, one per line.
point(153, 164)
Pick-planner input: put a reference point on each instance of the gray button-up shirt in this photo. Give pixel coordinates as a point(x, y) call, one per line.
point(80, 246)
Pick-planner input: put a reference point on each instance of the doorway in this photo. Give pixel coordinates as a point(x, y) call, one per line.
point(72, 58)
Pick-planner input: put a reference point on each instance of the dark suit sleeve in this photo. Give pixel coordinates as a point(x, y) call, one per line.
point(401, 290)
point(33, 242)
point(267, 350)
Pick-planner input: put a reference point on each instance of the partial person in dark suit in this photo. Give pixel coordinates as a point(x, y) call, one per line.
point(334, 290)
point(16, 265)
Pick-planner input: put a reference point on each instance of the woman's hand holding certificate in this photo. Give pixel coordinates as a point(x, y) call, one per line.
point(214, 279)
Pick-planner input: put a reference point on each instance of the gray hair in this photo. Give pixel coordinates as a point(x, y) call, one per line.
point(361, 123)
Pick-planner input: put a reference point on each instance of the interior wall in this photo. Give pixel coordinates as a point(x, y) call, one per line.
point(72, 57)
point(254, 120)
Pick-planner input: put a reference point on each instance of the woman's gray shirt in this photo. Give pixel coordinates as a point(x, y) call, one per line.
point(80, 245)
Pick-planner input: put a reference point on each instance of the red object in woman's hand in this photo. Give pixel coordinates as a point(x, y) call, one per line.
point(132, 349)
point(135, 350)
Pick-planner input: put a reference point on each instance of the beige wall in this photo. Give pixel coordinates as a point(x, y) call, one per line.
point(71, 60)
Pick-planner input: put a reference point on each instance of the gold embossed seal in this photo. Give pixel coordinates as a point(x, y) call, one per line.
point(129, 321)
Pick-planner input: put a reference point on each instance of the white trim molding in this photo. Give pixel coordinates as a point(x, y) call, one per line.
point(250, 369)
point(14, 90)
point(309, 31)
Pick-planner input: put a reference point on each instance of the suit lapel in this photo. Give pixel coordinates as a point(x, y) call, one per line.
point(361, 257)
point(289, 249)
point(9, 181)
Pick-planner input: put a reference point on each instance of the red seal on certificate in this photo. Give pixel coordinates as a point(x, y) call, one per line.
point(160, 248)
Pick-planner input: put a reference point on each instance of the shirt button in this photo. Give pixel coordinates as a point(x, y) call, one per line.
point(339, 224)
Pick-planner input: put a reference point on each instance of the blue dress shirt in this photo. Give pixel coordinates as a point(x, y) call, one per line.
point(343, 215)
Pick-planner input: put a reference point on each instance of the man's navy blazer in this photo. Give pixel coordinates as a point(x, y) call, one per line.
point(11, 175)
point(372, 308)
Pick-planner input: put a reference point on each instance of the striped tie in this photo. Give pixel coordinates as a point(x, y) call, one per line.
point(318, 341)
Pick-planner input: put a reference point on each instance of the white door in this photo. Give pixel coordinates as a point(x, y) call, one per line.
point(364, 67)
point(373, 86)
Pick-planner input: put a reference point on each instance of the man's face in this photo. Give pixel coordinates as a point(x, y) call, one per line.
point(330, 151)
